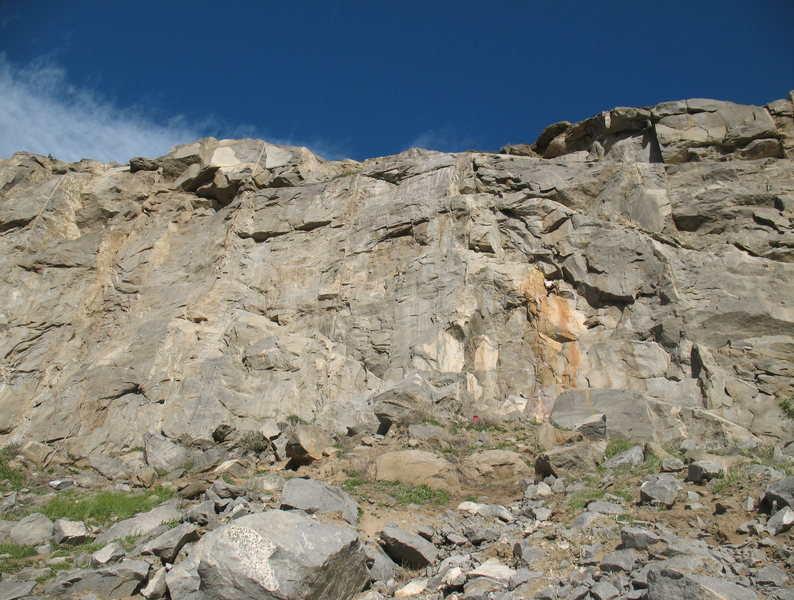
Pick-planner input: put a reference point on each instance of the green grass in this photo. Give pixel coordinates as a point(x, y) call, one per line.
point(788, 408)
point(618, 445)
point(456, 427)
point(103, 508)
point(345, 174)
point(12, 557)
point(10, 479)
point(402, 493)
point(734, 474)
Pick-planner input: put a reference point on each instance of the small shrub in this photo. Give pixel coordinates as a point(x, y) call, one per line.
point(254, 441)
point(295, 420)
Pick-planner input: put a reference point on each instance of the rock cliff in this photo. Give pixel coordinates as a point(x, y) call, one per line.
point(636, 265)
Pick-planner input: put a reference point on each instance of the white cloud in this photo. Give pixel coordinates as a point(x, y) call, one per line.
point(41, 112)
point(443, 140)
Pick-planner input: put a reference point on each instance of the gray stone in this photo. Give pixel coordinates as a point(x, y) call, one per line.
point(771, 575)
point(110, 553)
point(672, 465)
point(156, 586)
point(569, 461)
point(118, 580)
point(70, 532)
point(638, 538)
point(14, 590)
point(779, 494)
point(618, 561)
point(627, 413)
point(661, 491)
point(669, 584)
point(33, 530)
point(313, 496)
point(632, 456)
point(701, 471)
point(408, 548)
point(306, 444)
point(167, 545)
point(275, 550)
point(781, 521)
point(162, 454)
point(381, 567)
point(604, 590)
point(605, 508)
point(142, 523)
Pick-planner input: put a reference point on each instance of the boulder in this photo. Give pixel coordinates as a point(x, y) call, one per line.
point(407, 548)
point(70, 532)
point(306, 444)
point(570, 461)
point(313, 496)
point(118, 580)
point(142, 523)
point(278, 554)
point(408, 401)
point(779, 494)
point(162, 454)
point(167, 545)
point(495, 465)
point(33, 530)
point(417, 467)
point(660, 490)
point(669, 584)
point(627, 412)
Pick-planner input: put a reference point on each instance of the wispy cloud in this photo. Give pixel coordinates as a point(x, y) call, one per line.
point(443, 140)
point(41, 112)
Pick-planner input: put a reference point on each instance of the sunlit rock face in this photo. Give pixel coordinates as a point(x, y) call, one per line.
point(638, 263)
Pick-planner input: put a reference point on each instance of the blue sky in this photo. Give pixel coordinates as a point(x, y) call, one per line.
point(110, 80)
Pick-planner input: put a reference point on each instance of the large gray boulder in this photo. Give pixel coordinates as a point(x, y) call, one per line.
point(408, 548)
point(670, 584)
point(33, 530)
point(627, 413)
point(162, 454)
point(276, 554)
point(313, 496)
point(142, 523)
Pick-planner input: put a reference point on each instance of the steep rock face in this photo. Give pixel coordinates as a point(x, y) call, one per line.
point(233, 281)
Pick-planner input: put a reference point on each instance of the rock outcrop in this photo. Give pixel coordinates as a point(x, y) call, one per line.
point(640, 260)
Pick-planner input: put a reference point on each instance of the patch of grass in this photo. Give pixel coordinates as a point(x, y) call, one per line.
point(402, 493)
point(13, 557)
point(734, 474)
point(616, 446)
point(450, 451)
point(788, 408)
point(345, 174)
point(353, 482)
point(418, 494)
point(103, 508)
point(469, 426)
point(10, 479)
point(430, 421)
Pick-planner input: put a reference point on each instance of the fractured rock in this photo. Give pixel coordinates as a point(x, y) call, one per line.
point(276, 551)
point(313, 496)
point(408, 548)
